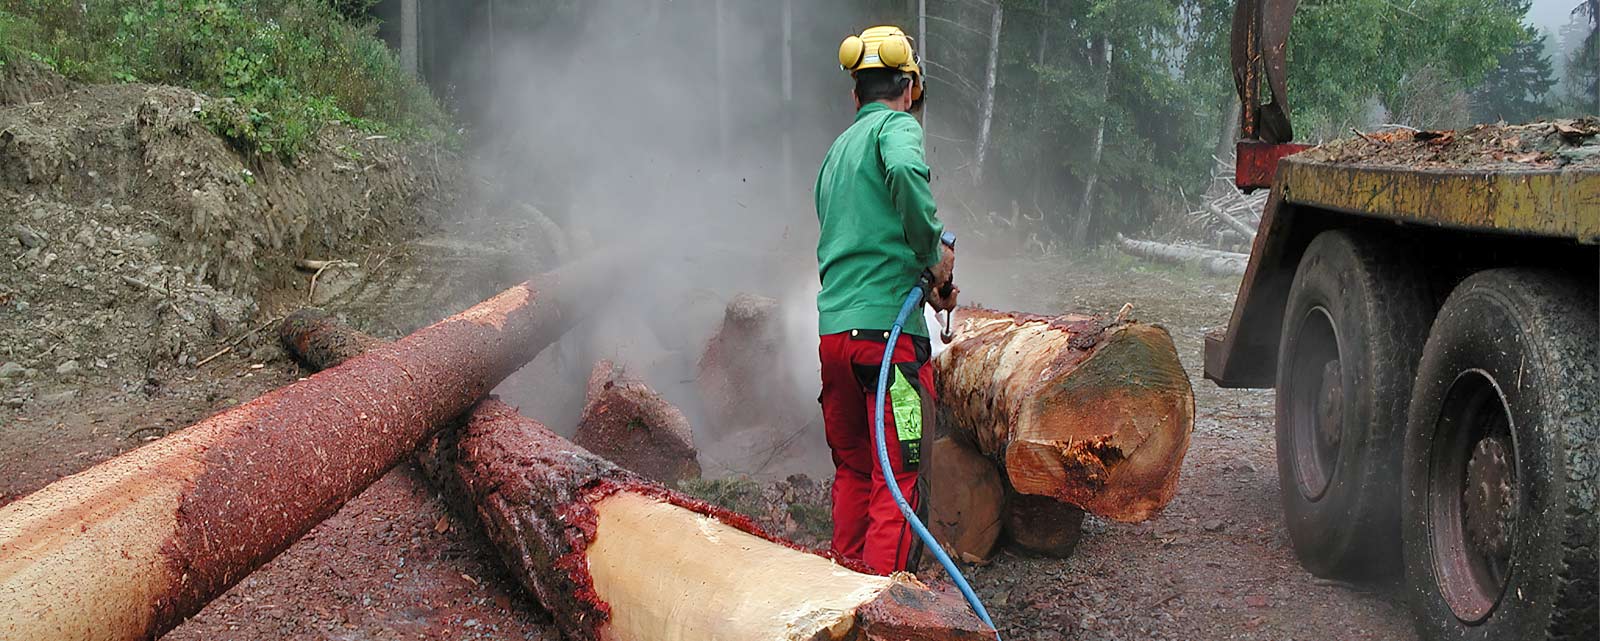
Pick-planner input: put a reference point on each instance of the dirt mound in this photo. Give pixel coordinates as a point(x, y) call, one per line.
point(132, 238)
point(233, 221)
point(23, 82)
point(1570, 144)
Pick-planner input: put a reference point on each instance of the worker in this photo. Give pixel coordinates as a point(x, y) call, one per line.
point(879, 235)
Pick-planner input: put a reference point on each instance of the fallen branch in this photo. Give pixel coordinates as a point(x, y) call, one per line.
point(1245, 230)
point(1213, 261)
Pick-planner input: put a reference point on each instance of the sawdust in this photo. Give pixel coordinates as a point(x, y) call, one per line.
point(1546, 145)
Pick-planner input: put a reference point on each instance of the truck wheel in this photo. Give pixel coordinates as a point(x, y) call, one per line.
point(1353, 329)
point(1500, 468)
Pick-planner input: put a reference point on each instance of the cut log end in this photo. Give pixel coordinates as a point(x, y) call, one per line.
point(1091, 412)
point(1110, 438)
point(966, 496)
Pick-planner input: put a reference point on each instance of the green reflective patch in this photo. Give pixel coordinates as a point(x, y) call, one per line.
point(907, 417)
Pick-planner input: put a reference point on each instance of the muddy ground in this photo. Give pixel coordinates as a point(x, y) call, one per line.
point(395, 564)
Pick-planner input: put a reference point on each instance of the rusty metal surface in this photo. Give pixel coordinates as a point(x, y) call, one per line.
point(1551, 203)
point(1245, 355)
point(1256, 163)
point(131, 547)
point(1258, 51)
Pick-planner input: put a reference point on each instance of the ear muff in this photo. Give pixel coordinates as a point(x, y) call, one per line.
point(851, 51)
point(894, 51)
point(916, 87)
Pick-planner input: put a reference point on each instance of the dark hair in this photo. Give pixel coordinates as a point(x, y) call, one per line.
point(881, 84)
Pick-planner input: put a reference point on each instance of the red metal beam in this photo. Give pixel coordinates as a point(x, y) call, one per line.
point(1257, 162)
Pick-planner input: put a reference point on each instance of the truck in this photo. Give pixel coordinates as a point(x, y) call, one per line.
point(1424, 305)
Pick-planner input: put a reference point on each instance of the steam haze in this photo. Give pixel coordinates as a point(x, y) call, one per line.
point(612, 120)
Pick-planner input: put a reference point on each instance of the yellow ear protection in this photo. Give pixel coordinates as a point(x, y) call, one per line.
point(882, 47)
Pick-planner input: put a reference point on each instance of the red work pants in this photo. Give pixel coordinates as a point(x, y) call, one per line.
point(867, 525)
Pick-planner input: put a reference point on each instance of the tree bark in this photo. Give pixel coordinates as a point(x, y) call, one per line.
point(736, 377)
point(986, 101)
point(1090, 412)
point(1080, 227)
point(966, 497)
point(611, 555)
point(631, 425)
point(1213, 261)
point(133, 546)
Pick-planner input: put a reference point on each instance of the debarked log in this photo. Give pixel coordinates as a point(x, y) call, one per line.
point(131, 547)
point(1091, 412)
point(614, 556)
point(1212, 261)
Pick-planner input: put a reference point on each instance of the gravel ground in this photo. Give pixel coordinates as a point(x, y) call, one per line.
point(396, 564)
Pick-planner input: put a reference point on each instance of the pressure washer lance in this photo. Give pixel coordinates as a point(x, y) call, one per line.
point(914, 300)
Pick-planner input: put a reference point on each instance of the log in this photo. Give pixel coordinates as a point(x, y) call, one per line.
point(1216, 262)
point(1094, 413)
point(1042, 525)
point(611, 555)
point(739, 377)
point(131, 547)
point(966, 497)
point(1237, 225)
point(627, 423)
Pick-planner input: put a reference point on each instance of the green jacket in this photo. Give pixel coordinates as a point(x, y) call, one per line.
point(879, 223)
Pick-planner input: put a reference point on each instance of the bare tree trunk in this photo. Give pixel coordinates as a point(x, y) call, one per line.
point(1080, 228)
point(788, 103)
point(922, 41)
point(986, 109)
point(721, 49)
point(1213, 261)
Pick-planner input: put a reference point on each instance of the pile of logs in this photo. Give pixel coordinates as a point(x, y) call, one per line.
point(1217, 236)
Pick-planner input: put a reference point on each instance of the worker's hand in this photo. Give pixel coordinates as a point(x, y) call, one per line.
point(945, 269)
point(943, 303)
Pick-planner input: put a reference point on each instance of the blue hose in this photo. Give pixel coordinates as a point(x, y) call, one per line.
point(913, 301)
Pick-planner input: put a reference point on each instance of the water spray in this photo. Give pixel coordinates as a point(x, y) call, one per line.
point(913, 300)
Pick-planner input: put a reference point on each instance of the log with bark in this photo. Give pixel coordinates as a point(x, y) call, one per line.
point(1096, 413)
point(740, 377)
point(631, 425)
point(1213, 261)
point(131, 547)
point(611, 555)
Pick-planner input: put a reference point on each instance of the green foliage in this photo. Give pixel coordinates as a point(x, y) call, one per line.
point(1516, 90)
point(739, 494)
point(1170, 86)
point(284, 68)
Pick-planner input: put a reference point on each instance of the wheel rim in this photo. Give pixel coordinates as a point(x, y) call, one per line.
point(1473, 497)
point(1316, 404)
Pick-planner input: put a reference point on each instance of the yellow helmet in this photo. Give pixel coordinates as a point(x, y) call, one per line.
point(883, 47)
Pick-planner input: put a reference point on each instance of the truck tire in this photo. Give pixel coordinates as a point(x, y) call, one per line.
point(1353, 329)
point(1500, 465)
